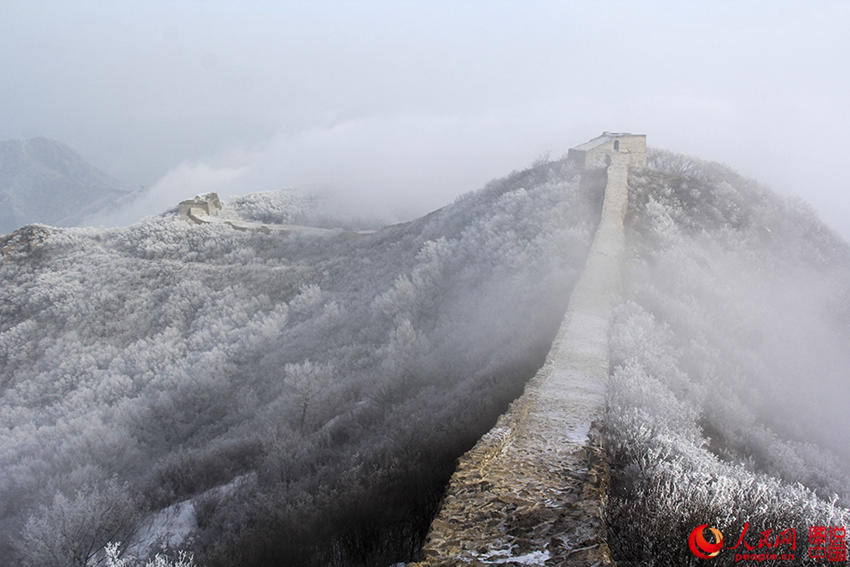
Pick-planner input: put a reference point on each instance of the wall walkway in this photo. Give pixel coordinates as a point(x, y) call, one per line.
point(532, 491)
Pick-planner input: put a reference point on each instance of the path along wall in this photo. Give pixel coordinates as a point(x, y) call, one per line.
point(533, 490)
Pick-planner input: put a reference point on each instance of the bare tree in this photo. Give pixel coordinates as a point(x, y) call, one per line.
point(73, 531)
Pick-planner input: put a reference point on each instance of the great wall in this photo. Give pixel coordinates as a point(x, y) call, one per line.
point(206, 208)
point(533, 490)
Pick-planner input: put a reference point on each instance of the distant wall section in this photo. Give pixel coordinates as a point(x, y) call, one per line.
point(207, 204)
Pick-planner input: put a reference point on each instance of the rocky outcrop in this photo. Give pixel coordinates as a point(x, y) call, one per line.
point(533, 490)
point(23, 242)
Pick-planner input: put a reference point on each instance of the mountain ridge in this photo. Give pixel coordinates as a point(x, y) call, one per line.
point(45, 181)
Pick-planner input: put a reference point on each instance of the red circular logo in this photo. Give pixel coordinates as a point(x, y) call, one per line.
point(701, 546)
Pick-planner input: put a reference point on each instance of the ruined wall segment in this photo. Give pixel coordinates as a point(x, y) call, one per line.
point(204, 205)
point(533, 489)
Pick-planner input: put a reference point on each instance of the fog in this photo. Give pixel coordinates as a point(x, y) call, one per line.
point(729, 364)
point(397, 108)
point(285, 385)
point(342, 376)
point(764, 285)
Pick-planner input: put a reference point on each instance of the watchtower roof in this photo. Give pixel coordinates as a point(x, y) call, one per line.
point(605, 137)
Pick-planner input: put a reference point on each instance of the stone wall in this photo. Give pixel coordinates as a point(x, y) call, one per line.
point(598, 156)
point(533, 490)
point(207, 204)
point(635, 146)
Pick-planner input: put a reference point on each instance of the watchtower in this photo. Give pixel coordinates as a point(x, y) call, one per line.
point(596, 153)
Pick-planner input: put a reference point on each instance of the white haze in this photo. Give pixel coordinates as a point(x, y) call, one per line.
point(400, 107)
point(130, 348)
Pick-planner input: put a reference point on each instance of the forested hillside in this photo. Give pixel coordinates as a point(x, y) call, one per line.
point(328, 382)
point(263, 398)
point(730, 386)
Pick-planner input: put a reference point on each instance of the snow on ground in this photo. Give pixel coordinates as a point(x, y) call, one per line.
point(505, 556)
point(172, 527)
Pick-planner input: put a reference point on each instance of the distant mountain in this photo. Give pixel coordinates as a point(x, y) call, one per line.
point(45, 181)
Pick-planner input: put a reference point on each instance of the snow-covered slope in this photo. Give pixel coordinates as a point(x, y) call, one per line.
point(730, 365)
point(347, 371)
point(45, 181)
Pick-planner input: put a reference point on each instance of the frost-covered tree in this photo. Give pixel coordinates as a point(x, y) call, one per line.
point(113, 557)
point(728, 357)
point(73, 531)
point(174, 356)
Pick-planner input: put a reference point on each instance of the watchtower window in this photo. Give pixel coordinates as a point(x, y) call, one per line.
point(616, 145)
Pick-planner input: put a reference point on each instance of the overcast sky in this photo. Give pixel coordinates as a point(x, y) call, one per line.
point(401, 106)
